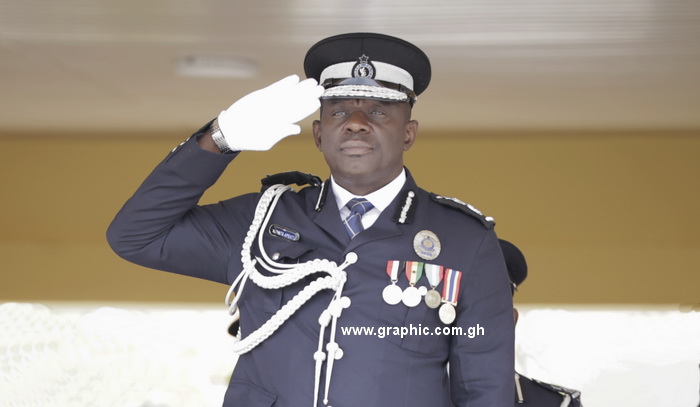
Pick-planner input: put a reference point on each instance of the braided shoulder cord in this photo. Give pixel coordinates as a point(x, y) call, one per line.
point(334, 280)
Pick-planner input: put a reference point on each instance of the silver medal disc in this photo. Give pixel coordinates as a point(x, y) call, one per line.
point(432, 299)
point(411, 296)
point(447, 313)
point(392, 294)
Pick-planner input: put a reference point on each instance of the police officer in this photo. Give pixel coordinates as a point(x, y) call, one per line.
point(356, 290)
point(532, 392)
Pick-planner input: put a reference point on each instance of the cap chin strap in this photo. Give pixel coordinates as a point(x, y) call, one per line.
point(288, 274)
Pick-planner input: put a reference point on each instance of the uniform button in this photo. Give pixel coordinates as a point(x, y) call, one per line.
point(276, 256)
point(351, 258)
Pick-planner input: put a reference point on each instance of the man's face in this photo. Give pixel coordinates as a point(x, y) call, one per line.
point(363, 141)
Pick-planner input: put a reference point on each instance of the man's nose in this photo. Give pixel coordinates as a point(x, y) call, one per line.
point(357, 122)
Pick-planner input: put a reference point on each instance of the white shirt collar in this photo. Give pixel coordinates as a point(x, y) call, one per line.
point(380, 198)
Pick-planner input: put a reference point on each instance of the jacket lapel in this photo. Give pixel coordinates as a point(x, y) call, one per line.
point(328, 219)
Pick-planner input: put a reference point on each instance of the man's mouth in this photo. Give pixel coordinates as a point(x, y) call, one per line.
point(352, 148)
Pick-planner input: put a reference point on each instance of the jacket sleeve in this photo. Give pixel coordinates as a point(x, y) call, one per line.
point(162, 226)
point(482, 358)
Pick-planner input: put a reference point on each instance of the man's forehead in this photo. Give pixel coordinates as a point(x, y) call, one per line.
point(362, 102)
point(330, 105)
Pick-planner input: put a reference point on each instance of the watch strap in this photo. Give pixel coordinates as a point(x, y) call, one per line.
point(218, 138)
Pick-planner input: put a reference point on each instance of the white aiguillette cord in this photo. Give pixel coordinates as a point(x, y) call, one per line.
point(288, 274)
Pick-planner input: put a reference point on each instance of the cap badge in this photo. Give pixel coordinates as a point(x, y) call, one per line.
point(363, 69)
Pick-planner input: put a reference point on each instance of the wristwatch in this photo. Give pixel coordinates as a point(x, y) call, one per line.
point(219, 138)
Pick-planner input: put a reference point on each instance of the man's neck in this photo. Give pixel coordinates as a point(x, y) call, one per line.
point(380, 198)
point(360, 188)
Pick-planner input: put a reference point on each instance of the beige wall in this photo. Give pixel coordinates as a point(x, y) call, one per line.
point(601, 217)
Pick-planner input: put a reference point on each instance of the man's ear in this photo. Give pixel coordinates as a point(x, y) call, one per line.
point(316, 129)
point(411, 134)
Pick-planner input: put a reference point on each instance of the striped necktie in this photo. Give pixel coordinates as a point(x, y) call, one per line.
point(353, 223)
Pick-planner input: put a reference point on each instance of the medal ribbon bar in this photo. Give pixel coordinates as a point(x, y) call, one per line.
point(393, 268)
point(414, 271)
point(434, 273)
point(450, 291)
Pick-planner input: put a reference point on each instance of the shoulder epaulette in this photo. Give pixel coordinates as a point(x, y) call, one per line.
point(487, 221)
point(291, 177)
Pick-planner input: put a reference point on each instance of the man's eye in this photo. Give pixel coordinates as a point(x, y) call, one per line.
point(378, 112)
point(339, 113)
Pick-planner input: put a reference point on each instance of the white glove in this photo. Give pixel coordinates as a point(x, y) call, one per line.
point(257, 121)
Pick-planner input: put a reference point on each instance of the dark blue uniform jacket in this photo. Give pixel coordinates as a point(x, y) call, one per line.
point(163, 227)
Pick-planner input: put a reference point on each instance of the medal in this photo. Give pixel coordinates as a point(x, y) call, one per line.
point(427, 245)
point(450, 296)
point(432, 299)
point(392, 293)
point(411, 296)
point(433, 273)
point(447, 313)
